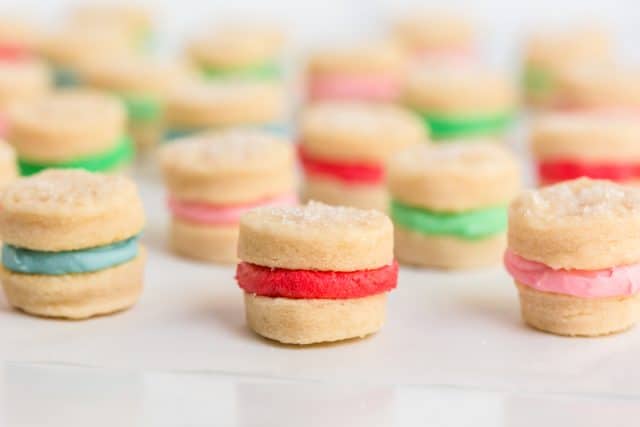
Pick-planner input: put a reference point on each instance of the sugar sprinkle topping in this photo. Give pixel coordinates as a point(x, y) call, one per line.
point(319, 214)
point(583, 198)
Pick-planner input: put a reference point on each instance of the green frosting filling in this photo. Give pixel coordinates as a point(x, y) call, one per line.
point(536, 80)
point(470, 225)
point(29, 261)
point(142, 108)
point(120, 154)
point(445, 127)
point(264, 71)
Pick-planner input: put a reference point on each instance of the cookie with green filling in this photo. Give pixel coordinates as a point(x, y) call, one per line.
point(449, 203)
point(457, 102)
point(239, 52)
point(76, 128)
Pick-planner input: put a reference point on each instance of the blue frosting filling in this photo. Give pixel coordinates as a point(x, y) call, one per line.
point(29, 261)
point(279, 129)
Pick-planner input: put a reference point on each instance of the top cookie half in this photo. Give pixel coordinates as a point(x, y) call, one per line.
point(60, 210)
point(316, 237)
point(582, 224)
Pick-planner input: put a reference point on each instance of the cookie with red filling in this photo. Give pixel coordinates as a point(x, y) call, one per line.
point(315, 273)
point(566, 146)
point(344, 148)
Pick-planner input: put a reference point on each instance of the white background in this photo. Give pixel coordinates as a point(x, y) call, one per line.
point(453, 352)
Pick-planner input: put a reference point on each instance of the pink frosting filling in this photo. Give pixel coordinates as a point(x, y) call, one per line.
point(378, 88)
point(615, 281)
point(203, 213)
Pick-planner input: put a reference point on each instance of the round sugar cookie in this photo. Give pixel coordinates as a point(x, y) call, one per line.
point(61, 210)
point(309, 321)
point(128, 16)
point(605, 87)
point(377, 57)
point(358, 131)
point(227, 167)
point(208, 242)
point(556, 49)
point(210, 104)
point(573, 316)
point(439, 31)
point(72, 45)
point(457, 90)
point(584, 136)
point(133, 74)
point(454, 177)
point(582, 224)
point(237, 46)
point(18, 33)
point(316, 237)
point(65, 125)
point(447, 252)
point(22, 81)
point(76, 296)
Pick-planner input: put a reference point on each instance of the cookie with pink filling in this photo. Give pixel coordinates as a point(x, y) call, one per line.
point(213, 179)
point(371, 71)
point(574, 254)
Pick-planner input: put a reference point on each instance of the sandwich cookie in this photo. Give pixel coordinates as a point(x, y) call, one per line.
point(574, 254)
point(456, 102)
point(18, 38)
point(194, 106)
point(70, 48)
point(70, 129)
point(71, 244)
point(566, 146)
point(143, 84)
point(549, 54)
point(240, 52)
point(213, 179)
point(132, 20)
point(315, 273)
point(21, 81)
point(602, 89)
point(437, 36)
point(362, 72)
point(344, 148)
point(449, 203)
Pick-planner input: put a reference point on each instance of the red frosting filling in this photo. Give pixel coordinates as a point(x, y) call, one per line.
point(356, 173)
point(10, 52)
point(563, 170)
point(309, 284)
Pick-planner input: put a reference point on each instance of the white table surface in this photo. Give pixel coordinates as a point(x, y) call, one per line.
point(453, 352)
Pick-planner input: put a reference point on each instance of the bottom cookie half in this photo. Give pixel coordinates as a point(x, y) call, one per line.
point(76, 296)
point(309, 321)
point(216, 244)
point(572, 316)
point(448, 252)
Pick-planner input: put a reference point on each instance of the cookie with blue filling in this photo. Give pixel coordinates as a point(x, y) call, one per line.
point(71, 244)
